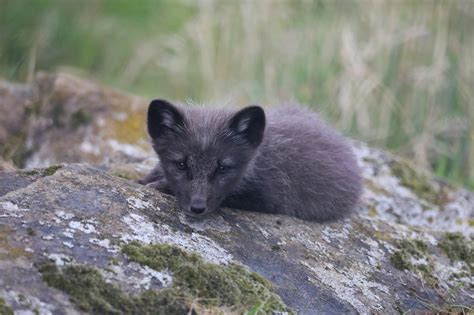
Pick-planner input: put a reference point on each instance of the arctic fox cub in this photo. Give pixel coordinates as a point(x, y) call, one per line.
point(285, 160)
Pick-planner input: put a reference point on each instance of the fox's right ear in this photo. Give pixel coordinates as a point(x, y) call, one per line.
point(248, 124)
point(163, 117)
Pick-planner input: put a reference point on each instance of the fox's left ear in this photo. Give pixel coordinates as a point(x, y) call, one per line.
point(249, 125)
point(163, 118)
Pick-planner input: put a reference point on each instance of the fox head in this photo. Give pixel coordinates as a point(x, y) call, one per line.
point(204, 152)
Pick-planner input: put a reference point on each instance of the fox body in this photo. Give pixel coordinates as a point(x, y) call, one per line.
point(284, 161)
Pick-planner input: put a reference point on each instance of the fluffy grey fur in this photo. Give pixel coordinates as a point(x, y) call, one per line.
point(286, 161)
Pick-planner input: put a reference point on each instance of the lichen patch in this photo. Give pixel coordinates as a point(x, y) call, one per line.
point(164, 277)
point(68, 244)
point(329, 233)
point(350, 286)
point(59, 259)
point(144, 231)
point(68, 232)
point(136, 276)
point(11, 210)
point(64, 215)
point(87, 228)
point(137, 204)
point(397, 192)
point(213, 222)
point(105, 243)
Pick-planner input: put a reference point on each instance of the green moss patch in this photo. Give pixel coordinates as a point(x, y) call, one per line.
point(408, 249)
point(4, 309)
point(79, 118)
point(43, 171)
point(419, 183)
point(458, 248)
point(198, 287)
point(214, 285)
point(414, 250)
point(51, 170)
point(414, 255)
point(92, 294)
point(32, 172)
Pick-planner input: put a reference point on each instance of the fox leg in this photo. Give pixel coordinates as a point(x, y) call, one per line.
point(156, 180)
point(155, 175)
point(160, 185)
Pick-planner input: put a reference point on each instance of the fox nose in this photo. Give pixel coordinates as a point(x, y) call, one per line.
point(198, 206)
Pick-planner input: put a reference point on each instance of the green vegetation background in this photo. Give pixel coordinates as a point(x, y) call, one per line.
point(397, 74)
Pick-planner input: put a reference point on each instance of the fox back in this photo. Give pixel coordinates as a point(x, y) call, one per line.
point(286, 161)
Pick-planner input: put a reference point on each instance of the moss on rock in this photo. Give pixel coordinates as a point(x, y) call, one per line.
point(4, 309)
point(80, 117)
point(48, 171)
point(213, 285)
point(411, 250)
point(401, 260)
point(51, 170)
point(418, 182)
point(408, 249)
point(415, 247)
point(91, 293)
point(457, 247)
point(414, 255)
point(198, 287)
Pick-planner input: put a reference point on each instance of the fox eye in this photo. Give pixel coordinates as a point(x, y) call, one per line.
point(181, 166)
point(222, 169)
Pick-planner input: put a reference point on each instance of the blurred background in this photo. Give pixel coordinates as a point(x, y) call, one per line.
point(395, 74)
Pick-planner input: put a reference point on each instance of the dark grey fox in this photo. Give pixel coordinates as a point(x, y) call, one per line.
point(289, 162)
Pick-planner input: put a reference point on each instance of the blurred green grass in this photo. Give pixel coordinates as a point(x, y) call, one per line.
point(396, 74)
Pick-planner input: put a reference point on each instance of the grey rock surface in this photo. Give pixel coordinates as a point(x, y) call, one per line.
point(16, 101)
point(396, 254)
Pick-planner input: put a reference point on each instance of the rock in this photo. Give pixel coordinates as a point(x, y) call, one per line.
point(6, 166)
point(60, 118)
point(16, 101)
point(409, 247)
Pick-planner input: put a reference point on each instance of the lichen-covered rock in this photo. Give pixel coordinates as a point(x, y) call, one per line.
point(396, 191)
point(79, 121)
point(62, 118)
point(16, 103)
point(77, 215)
point(409, 248)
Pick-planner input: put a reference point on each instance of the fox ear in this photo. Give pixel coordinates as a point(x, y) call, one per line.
point(249, 124)
point(163, 117)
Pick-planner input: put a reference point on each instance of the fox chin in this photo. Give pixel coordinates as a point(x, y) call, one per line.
point(283, 160)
